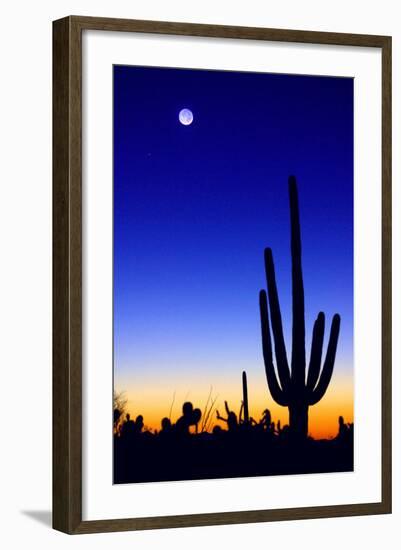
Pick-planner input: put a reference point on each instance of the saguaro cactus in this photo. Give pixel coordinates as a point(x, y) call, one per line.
point(245, 397)
point(289, 388)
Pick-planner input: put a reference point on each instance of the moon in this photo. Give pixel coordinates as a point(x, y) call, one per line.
point(186, 117)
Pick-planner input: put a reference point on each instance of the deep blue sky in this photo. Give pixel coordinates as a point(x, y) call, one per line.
point(195, 206)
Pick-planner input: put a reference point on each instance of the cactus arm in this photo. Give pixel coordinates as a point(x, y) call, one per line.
point(316, 352)
point(276, 322)
point(298, 362)
point(328, 366)
point(276, 392)
point(245, 395)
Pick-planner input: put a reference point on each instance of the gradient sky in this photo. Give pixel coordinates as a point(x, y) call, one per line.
point(194, 208)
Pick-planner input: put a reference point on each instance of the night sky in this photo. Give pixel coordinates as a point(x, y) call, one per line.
point(194, 208)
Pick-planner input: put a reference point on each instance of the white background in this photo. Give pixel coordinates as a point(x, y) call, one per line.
point(25, 290)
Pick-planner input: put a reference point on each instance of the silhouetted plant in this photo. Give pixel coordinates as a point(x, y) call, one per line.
point(289, 388)
point(231, 420)
point(245, 397)
point(119, 405)
point(190, 417)
point(217, 430)
point(196, 416)
point(273, 429)
point(139, 424)
point(128, 427)
point(116, 420)
point(266, 422)
point(166, 426)
point(207, 416)
point(344, 430)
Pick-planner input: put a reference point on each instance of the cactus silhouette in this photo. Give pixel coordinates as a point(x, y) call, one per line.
point(289, 387)
point(245, 397)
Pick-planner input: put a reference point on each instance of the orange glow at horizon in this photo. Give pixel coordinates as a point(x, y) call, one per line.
point(155, 399)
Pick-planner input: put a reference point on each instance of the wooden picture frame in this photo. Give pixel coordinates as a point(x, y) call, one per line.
point(67, 274)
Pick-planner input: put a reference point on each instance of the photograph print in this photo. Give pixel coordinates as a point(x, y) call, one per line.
point(233, 267)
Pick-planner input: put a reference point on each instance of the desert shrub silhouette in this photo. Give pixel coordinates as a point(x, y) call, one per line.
point(258, 448)
point(289, 388)
point(231, 420)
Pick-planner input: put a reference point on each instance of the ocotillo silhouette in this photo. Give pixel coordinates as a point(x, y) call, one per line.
point(290, 389)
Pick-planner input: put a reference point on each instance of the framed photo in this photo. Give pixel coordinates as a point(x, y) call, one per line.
point(222, 275)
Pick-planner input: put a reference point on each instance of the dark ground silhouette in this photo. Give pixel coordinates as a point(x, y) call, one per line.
point(242, 450)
